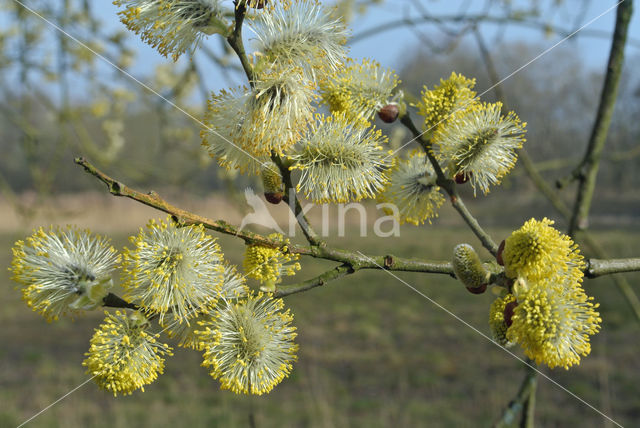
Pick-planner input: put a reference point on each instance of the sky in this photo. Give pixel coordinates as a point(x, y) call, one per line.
point(594, 50)
point(392, 48)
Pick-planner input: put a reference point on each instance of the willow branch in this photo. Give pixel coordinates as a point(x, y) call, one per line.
point(450, 187)
point(318, 281)
point(236, 43)
point(152, 199)
point(528, 412)
point(587, 171)
point(425, 144)
point(621, 282)
point(520, 402)
point(292, 201)
point(353, 260)
point(113, 301)
point(552, 195)
point(598, 267)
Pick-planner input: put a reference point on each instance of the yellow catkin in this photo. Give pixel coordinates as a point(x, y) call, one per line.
point(537, 251)
point(267, 264)
point(249, 345)
point(412, 191)
point(468, 267)
point(359, 90)
point(172, 268)
point(553, 322)
point(123, 356)
point(497, 323)
point(63, 270)
point(452, 94)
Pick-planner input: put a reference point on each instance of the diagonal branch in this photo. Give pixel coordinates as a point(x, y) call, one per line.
point(538, 180)
point(350, 261)
point(521, 402)
point(598, 267)
point(587, 171)
point(152, 199)
point(318, 281)
point(292, 201)
point(236, 43)
point(450, 187)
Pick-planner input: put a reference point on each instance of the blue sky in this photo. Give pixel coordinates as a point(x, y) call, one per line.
point(594, 50)
point(390, 47)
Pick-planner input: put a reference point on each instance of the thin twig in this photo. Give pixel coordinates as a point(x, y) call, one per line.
point(587, 171)
point(450, 187)
point(318, 281)
point(235, 40)
point(622, 284)
point(528, 412)
point(598, 267)
point(538, 180)
point(292, 201)
point(152, 199)
point(113, 301)
point(475, 20)
point(519, 403)
point(351, 261)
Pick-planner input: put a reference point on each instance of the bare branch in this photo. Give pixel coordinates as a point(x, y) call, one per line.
point(320, 280)
point(587, 171)
point(599, 267)
point(450, 187)
point(521, 402)
point(353, 259)
point(291, 199)
point(235, 40)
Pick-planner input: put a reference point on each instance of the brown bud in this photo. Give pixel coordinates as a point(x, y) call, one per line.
point(462, 177)
point(508, 312)
point(258, 4)
point(389, 113)
point(274, 198)
point(272, 183)
point(499, 258)
point(477, 290)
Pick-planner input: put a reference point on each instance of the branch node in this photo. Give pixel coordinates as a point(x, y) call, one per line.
point(115, 188)
point(113, 301)
point(388, 262)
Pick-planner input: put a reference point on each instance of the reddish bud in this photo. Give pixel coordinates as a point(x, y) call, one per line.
point(274, 198)
point(499, 258)
point(389, 113)
point(508, 312)
point(462, 177)
point(478, 290)
point(258, 4)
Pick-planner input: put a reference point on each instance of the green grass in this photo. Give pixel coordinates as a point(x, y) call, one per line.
point(372, 353)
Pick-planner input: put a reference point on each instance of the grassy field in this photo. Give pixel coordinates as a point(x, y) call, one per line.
point(372, 353)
